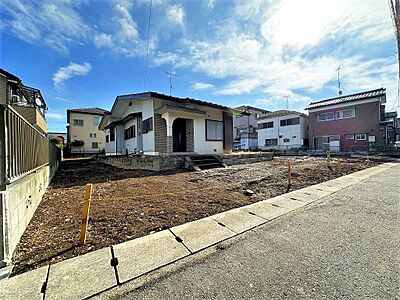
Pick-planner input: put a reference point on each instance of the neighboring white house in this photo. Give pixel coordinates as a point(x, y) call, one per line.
point(154, 123)
point(283, 130)
point(245, 127)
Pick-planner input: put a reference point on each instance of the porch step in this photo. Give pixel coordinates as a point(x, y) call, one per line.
point(205, 162)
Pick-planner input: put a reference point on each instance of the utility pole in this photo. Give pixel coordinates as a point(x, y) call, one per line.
point(170, 75)
point(395, 14)
point(338, 79)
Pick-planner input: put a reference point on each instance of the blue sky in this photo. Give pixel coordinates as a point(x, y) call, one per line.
point(85, 53)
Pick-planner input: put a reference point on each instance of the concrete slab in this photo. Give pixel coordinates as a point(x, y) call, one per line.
point(238, 220)
point(202, 233)
point(24, 286)
point(304, 196)
point(314, 191)
point(266, 210)
point(286, 202)
point(148, 253)
point(82, 276)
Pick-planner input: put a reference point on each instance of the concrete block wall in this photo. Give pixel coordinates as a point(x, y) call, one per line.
point(147, 162)
point(18, 204)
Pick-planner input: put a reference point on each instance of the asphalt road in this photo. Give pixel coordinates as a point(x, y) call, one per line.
point(344, 247)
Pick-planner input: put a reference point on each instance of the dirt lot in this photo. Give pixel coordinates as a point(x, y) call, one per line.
point(128, 204)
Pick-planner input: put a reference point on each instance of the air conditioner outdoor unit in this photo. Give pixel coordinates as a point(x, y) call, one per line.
point(14, 98)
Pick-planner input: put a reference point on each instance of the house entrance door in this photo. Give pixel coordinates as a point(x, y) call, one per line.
point(179, 135)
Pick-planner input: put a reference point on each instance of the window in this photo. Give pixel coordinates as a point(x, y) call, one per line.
point(361, 136)
point(344, 114)
point(96, 121)
point(271, 142)
point(95, 145)
point(112, 134)
point(286, 140)
point(326, 116)
point(93, 135)
point(147, 125)
point(78, 122)
point(292, 121)
point(214, 130)
point(266, 125)
point(349, 136)
point(107, 138)
point(129, 133)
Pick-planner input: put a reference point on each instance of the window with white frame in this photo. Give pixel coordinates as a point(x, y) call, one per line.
point(286, 140)
point(271, 142)
point(96, 121)
point(361, 137)
point(93, 135)
point(78, 122)
point(328, 116)
point(349, 136)
point(345, 114)
point(214, 130)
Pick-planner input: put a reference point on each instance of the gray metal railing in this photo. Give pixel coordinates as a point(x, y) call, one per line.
point(23, 148)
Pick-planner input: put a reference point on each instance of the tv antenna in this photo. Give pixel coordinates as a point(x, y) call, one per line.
point(170, 75)
point(338, 80)
point(287, 100)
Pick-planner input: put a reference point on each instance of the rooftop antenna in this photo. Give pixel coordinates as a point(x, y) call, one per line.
point(338, 80)
point(287, 100)
point(171, 74)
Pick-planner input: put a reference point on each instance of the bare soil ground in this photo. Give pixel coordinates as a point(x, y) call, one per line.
point(127, 204)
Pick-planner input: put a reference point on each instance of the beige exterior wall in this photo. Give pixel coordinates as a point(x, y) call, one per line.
point(33, 116)
point(3, 90)
point(82, 133)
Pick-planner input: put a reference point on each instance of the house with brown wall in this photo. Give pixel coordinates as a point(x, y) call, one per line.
point(351, 123)
point(26, 100)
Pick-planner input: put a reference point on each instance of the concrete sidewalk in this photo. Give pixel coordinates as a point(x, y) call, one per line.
point(272, 249)
point(344, 246)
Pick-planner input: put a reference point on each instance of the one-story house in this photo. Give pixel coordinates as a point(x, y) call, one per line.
point(153, 123)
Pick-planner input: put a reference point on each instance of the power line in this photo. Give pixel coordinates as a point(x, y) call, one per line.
point(148, 46)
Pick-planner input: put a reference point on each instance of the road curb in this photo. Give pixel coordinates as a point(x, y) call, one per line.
point(95, 272)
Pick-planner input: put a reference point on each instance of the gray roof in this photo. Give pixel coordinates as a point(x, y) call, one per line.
point(89, 110)
point(348, 98)
point(281, 113)
point(171, 98)
point(9, 76)
point(248, 107)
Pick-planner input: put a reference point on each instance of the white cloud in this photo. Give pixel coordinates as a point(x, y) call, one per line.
point(73, 69)
point(210, 3)
point(56, 116)
point(56, 23)
point(120, 33)
point(202, 86)
point(176, 14)
point(285, 47)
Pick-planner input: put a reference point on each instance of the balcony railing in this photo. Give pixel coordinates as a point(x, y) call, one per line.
point(22, 147)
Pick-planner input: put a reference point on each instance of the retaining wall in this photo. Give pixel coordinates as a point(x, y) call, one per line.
point(18, 202)
point(145, 162)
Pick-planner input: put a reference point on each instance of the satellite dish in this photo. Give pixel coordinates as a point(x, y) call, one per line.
point(38, 102)
point(340, 93)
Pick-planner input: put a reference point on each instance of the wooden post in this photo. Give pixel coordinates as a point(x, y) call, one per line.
point(328, 158)
point(85, 213)
point(289, 176)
